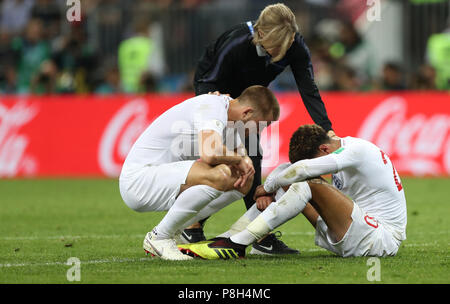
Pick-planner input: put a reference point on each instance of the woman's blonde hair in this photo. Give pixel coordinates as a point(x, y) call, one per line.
point(277, 23)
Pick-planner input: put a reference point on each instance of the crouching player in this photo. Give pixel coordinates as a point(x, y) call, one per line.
point(362, 214)
point(161, 171)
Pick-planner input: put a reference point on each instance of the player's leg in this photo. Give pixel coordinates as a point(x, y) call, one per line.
point(334, 207)
point(288, 206)
point(248, 199)
point(270, 243)
point(221, 202)
point(202, 185)
point(194, 233)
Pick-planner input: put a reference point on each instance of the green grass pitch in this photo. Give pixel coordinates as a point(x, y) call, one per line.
point(44, 222)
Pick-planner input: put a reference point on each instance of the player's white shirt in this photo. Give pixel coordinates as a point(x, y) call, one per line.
point(173, 136)
point(361, 171)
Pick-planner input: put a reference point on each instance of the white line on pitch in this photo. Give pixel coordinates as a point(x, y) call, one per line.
point(103, 261)
point(126, 260)
point(106, 236)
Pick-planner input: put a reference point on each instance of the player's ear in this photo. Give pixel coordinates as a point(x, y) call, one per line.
point(247, 113)
point(325, 148)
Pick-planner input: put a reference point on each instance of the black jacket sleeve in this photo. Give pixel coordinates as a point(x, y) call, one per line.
point(304, 77)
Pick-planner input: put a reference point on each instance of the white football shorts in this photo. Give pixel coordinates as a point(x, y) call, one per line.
point(366, 236)
point(153, 187)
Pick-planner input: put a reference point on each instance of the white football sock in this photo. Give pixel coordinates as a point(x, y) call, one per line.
point(288, 206)
point(186, 206)
point(214, 206)
point(242, 222)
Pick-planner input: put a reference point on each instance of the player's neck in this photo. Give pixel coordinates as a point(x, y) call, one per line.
point(233, 110)
point(335, 144)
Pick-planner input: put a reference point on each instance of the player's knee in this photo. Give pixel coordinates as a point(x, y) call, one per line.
point(220, 177)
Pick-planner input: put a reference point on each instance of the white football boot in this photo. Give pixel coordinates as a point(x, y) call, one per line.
point(165, 249)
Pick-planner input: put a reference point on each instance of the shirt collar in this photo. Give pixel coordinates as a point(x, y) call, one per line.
point(261, 51)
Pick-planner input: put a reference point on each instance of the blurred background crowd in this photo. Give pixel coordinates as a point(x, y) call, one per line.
point(141, 46)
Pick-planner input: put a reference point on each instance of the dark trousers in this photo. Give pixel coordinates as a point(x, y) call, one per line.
point(257, 160)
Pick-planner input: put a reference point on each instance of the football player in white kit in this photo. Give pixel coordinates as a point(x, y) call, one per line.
point(362, 214)
point(162, 171)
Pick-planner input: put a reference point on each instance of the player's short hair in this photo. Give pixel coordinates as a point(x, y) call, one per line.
point(305, 142)
point(278, 24)
point(262, 100)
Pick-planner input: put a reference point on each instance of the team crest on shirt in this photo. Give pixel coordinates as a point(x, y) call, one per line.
point(337, 182)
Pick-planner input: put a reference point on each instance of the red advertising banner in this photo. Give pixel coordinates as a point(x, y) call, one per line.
point(91, 135)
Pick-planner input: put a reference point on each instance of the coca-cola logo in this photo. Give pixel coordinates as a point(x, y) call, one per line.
point(417, 144)
point(14, 158)
point(120, 134)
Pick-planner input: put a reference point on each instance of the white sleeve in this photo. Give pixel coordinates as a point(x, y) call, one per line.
point(351, 156)
point(302, 170)
point(273, 175)
point(213, 124)
point(210, 114)
point(305, 169)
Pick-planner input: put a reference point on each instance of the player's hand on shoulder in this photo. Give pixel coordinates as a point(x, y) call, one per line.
point(331, 134)
point(217, 93)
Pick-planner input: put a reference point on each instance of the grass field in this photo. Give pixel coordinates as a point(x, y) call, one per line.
point(44, 222)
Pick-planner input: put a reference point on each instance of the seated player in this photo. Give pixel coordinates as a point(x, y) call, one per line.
point(372, 222)
point(161, 171)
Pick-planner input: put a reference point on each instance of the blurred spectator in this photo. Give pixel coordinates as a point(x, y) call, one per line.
point(107, 21)
point(136, 57)
point(345, 79)
point(322, 62)
point(392, 78)
point(30, 51)
point(35, 31)
point(424, 78)
point(147, 82)
point(8, 80)
point(358, 54)
point(46, 80)
point(6, 54)
point(187, 84)
point(76, 59)
point(438, 53)
point(15, 15)
point(49, 12)
point(111, 83)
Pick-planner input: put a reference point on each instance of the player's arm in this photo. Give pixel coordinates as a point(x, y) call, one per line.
point(260, 192)
point(310, 168)
point(214, 152)
point(301, 171)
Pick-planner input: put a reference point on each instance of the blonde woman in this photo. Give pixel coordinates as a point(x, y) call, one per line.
point(255, 53)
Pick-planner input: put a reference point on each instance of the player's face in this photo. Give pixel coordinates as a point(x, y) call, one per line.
point(257, 123)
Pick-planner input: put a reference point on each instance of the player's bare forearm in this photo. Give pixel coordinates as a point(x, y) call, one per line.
point(214, 152)
point(230, 160)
